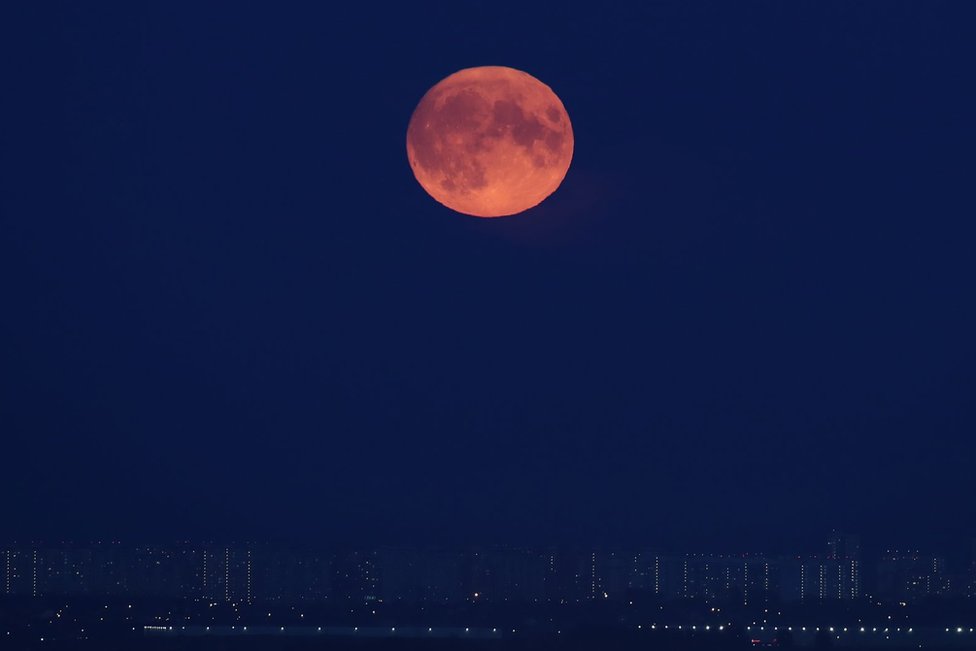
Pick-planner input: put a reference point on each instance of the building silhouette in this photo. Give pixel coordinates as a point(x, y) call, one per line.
point(249, 573)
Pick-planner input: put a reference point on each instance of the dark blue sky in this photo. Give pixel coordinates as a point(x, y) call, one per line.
point(746, 317)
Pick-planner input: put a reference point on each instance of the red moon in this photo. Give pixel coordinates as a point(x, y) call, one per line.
point(490, 141)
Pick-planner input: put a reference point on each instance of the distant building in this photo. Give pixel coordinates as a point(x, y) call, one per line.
point(740, 579)
point(299, 575)
point(646, 572)
point(157, 570)
point(843, 546)
point(356, 576)
point(817, 579)
point(255, 573)
point(421, 576)
point(20, 572)
point(835, 576)
point(505, 575)
point(971, 588)
point(909, 576)
point(845, 550)
point(232, 579)
point(64, 571)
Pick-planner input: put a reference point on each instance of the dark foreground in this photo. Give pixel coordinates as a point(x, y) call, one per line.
point(591, 642)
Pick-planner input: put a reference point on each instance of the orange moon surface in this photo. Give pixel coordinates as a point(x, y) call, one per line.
point(490, 141)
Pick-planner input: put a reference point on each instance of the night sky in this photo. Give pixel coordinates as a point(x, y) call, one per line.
point(228, 310)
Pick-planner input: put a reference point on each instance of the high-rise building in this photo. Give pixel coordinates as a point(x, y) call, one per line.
point(845, 550)
point(421, 576)
point(740, 579)
point(355, 576)
point(910, 576)
point(20, 572)
point(843, 546)
point(645, 572)
point(303, 575)
point(515, 575)
point(971, 591)
point(816, 579)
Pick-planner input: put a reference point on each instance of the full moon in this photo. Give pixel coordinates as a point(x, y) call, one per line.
point(490, 141)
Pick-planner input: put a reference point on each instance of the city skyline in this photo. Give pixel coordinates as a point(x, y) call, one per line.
point(228, 572)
